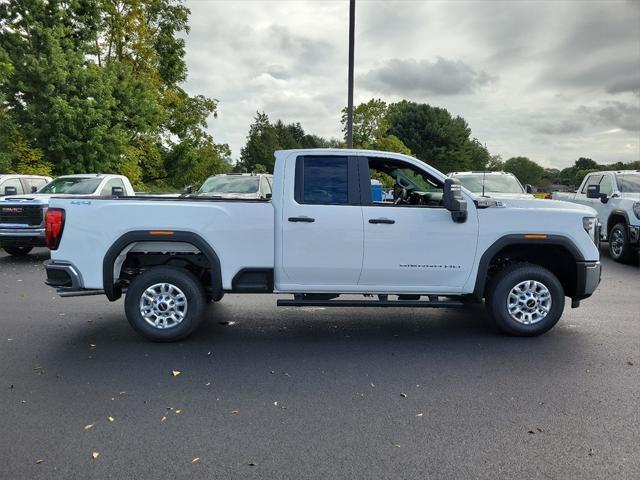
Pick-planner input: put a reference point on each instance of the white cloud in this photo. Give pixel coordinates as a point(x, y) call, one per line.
point(541, 79)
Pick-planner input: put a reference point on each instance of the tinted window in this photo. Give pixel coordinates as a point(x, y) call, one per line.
point(230, 184)
point(492, 183)
point(114, 182)
point(12, 182)
point(73, 185)
point(325, 180)
point(629, 182)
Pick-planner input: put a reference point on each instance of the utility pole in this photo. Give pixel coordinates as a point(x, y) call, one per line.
point(352, 21)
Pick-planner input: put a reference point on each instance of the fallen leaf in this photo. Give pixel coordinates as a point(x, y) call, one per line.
point(275, 403)
point(38, 462)
point(235, 411)
point(175, 373)
point(207, 384)
point(195, 460)
point(403, 395)
point(178, 411)
point(531, 432)
point(92, 345)
point(630, 363)
point(419, 414)
point(163, 419)
point(252, 464)
point(88, 427)
point(111, 419)
point(95, 455)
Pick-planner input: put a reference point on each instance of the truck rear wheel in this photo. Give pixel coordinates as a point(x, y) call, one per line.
point(619, 245)
point(165, 304)
point(525, 300)
point(18, 251)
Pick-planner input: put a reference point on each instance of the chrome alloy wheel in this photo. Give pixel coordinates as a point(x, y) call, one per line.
point(617, 242)
point(529, 302)
point(163, 305)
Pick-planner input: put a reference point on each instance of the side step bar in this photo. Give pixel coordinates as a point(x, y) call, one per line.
point(372, 303)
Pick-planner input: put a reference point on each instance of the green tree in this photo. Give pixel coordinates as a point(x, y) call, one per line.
point(525, 170)
point(495, 163)
point(371, 128)
point(265, 138)
point(436, 137)
point(95, 86)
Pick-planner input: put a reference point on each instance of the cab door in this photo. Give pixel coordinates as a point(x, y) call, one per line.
point(319, 230)
point(413, 247)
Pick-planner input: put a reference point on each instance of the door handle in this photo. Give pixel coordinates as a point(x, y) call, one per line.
point(386, 221)
point(302, 219)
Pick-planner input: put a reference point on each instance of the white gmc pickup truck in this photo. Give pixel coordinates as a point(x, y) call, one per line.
point(321, 236)
point(615, 195)
point(22, 217)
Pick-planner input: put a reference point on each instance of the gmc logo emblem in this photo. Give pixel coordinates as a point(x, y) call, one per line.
point(12, 210)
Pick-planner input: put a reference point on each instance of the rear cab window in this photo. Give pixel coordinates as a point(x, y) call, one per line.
point(326, 180)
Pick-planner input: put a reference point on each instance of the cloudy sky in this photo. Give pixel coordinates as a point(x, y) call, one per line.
point(549, 80)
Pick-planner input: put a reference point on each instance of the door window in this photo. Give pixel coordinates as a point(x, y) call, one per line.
point(34, 184)
point(592, 180)
point(12, 182)
point(403, 185)
point(322, 180)
point(114, 182)
point(606, 186)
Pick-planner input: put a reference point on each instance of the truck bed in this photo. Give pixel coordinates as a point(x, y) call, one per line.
point(241, 231)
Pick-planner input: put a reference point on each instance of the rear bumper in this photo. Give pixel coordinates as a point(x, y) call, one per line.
point(63, 276)
point(33, 237)
point(588, 279)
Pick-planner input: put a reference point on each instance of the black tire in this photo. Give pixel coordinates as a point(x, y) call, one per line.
point(188, 285)
point(499, 290)
point(18, 251)
point(619, 246)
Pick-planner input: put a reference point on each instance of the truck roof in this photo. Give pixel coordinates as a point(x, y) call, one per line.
point(619, 172)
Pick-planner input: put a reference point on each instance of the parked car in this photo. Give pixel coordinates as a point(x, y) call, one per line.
point(493, 184)
point(615, 195)
point(22, 217)
point(237, 185)
point(11, 184)
point(321, 236)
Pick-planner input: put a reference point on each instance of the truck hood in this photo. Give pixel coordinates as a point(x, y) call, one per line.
point(630, 195)
point(516, 196)
point(542, 205)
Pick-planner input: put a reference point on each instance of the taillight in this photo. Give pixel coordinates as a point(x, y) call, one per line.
point(54, 224)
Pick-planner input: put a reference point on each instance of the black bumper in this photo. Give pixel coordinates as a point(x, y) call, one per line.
point(22, 238)
point(588, 279)
point(62, 276)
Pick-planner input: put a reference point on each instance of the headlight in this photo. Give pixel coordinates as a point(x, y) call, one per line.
point(636, 209)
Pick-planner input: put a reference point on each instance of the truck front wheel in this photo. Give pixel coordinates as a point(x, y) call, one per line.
point(619, 245)
point(165, 304)
point(525, 300)
point(18, 251)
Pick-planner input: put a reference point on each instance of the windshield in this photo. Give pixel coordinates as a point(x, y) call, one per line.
point(72, 185)
point(230, 184)
point(492, 183)
point(629, 183)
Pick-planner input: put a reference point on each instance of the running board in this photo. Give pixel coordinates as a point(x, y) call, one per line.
point(372, 303)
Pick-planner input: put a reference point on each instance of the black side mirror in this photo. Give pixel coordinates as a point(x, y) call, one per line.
point(34, 189)
point(10, 191)
point(593, 191)
point(188, 190)
point(117, 191)
point(453, 201)
point(528, 188)
point(268, 196)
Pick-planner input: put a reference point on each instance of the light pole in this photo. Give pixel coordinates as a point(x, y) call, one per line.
point(352, 20)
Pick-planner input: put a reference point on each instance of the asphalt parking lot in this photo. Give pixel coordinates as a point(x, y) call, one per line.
point(276, 393)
